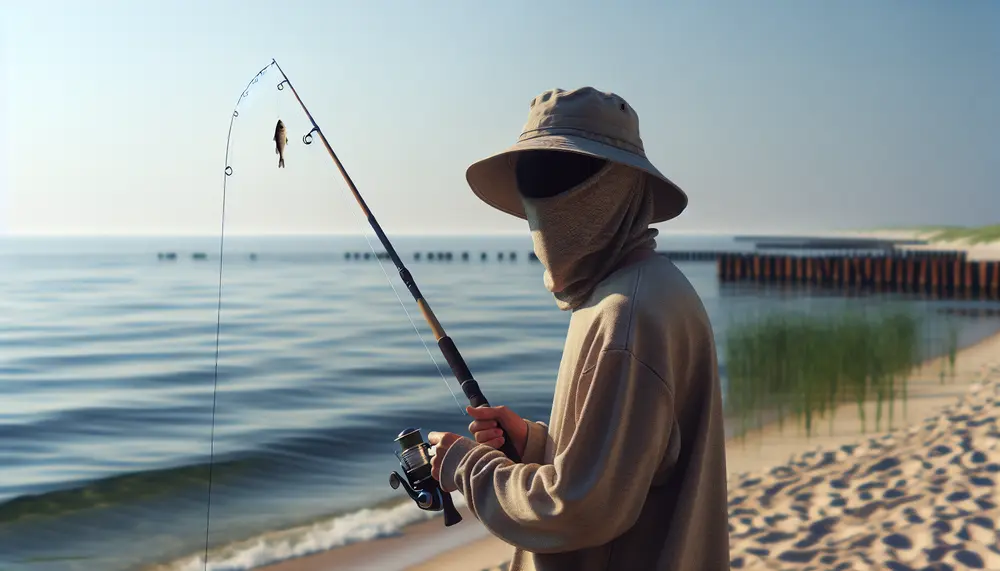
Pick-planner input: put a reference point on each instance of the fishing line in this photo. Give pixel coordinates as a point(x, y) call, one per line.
point(218, 319)
point(414, 325)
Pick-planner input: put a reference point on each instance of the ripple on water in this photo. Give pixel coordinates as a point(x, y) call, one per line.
point(108, 367)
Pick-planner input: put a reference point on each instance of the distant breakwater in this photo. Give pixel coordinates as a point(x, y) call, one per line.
point(942, 274)
point(464, 256)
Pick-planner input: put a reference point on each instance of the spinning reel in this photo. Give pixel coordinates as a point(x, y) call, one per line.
point(414, 458)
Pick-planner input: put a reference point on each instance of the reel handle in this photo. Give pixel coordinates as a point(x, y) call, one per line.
point(451, 515)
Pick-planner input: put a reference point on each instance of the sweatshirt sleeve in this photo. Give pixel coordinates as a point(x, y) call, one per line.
point(534, 448)
point(596, 486)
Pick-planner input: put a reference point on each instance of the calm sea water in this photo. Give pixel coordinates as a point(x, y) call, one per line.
point(107, 375)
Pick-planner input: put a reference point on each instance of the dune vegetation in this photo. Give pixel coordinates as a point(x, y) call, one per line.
point(801, 366)
point(974, 235)
point(968, 234)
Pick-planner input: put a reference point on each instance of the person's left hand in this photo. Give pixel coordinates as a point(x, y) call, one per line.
point(440, 443)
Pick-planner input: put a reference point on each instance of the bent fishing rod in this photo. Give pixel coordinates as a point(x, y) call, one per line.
point(413, 451)
point(451, 354)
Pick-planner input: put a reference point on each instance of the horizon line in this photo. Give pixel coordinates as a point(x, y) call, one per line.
point(463, 234)
point(442, 233)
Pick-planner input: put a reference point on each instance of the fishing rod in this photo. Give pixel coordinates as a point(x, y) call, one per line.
point(413, 452)
point(448, 348)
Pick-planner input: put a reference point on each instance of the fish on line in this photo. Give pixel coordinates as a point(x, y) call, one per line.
point(280, 140)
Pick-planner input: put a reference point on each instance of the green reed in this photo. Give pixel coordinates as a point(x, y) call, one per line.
point(952, 349)
point(807, 365)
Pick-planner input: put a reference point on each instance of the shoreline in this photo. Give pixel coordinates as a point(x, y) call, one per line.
point(427, 545)
point(987, 250)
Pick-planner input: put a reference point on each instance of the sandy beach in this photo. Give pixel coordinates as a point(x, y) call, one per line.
point(923, 491)
point(974, 251)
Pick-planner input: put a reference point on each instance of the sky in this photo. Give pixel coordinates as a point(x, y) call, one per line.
point(776, 116)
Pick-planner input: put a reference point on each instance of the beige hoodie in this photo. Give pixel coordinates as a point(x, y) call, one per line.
point(630, 471)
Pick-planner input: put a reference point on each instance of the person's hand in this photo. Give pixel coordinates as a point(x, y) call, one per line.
point(485, 429)
point(440, 443)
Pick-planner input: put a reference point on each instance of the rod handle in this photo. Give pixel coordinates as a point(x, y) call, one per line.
point(471, 389)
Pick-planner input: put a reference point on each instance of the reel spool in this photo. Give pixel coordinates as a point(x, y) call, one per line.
point(414, 458)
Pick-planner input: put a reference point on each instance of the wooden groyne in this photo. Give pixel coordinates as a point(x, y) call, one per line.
point(942, 274)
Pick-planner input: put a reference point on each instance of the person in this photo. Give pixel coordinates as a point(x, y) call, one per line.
point(629, 473)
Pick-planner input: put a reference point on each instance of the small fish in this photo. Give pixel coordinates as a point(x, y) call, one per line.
point(280, 140)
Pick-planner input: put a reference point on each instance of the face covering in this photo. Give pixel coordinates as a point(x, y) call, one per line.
point(580, 236)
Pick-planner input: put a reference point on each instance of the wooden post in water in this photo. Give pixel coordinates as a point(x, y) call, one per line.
point(962, 284)
point(995, 281)
point(967, 278)
point(932, 280)
point(981, 282)
point(878, 271)
point(899, 265)
point(947, 278)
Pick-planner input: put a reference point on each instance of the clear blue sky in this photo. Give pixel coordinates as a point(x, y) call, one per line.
point(773, 115)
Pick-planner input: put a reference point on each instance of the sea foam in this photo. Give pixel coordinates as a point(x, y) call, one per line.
point(363, 525)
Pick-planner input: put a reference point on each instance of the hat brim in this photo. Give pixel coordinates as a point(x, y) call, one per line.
point(492, 179)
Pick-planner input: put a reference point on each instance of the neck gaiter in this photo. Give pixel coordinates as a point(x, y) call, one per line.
point(581, 235)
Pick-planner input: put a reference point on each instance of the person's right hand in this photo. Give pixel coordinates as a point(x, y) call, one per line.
point(485, 428)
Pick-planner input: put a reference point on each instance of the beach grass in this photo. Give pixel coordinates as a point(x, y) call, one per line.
point(939, 233)
point(971, 235)
point(800, 366)
point(952, 353)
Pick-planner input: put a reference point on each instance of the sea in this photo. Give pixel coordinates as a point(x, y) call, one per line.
point(115, 358)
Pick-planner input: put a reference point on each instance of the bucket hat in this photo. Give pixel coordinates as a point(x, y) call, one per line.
point(585, 121)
